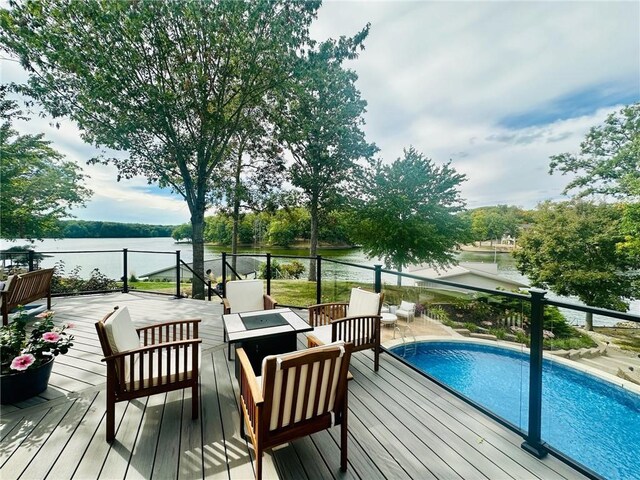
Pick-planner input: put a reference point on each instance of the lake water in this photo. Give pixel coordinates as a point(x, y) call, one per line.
point(106, 255)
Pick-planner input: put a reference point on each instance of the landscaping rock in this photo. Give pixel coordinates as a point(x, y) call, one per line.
point(485, 336)
point(462, 331)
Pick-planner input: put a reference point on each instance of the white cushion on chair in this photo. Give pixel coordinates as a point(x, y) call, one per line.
point(326, 385)
point(121, 332)
point(406, 309)
point(245, 295)
point(363, 303)
point(322, 333)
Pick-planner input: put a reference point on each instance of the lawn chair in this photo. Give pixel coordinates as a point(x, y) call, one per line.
point(357, 322)
point(406, 310)
point(299, 393)
point(168, 359)
point(245, 296)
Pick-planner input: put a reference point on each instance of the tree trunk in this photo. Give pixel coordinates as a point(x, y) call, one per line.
point(399, 278)
point(313, 240)
point(197, 223)
point(588, 321)
point(236, 213)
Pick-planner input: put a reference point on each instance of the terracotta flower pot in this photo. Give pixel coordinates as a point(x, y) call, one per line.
point(19, 386)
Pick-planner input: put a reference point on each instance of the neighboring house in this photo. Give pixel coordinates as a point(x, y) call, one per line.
point(244, 266)
point(475, 274)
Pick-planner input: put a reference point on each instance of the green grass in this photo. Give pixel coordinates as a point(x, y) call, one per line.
point(580, 341)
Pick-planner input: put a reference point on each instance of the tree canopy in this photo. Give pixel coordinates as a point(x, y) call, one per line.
point(408, 212)
point(321, 125)
point(169, 83)
point(609, 158)
point(39, 187)
point(571, 249)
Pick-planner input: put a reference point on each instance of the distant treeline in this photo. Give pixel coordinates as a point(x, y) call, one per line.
point(93, 229)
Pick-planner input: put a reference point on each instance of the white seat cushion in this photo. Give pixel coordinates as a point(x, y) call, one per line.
point(245, 295)
point(406, 309)
point(322, 333)
point(363, 303)
point(121, 332)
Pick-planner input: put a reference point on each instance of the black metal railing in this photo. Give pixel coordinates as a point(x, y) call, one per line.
point(537, 300)
point(533, 442)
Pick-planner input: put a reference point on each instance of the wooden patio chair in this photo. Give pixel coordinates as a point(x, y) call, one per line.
point(25, 288)
point(299, 393)
point(168, 359)
point(356, 321)
point(245, 296)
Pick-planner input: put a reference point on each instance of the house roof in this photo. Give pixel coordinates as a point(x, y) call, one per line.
point(485, 270)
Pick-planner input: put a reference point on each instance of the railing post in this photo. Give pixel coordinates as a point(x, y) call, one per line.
point(209, 289)
point(378, 279)
point(224, 274)
point(125, 271)
point(30, 259)
point(178, 293)
point(268, 274)
point(318, 278)
point(533, 443)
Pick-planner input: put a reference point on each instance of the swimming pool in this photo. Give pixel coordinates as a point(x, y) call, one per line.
point(588, 419)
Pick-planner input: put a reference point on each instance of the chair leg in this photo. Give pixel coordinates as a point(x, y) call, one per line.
point(343, 438)
point(376, 357)
point(195, 406)
point(111, 420)
point(259, 464)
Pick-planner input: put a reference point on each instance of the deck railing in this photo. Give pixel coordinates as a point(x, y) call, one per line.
point(380, 279)
point(332, 280)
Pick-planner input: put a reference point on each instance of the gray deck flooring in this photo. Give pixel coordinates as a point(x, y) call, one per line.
point(401, 425)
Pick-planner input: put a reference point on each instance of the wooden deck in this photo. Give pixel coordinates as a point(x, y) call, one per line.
point(401, 425)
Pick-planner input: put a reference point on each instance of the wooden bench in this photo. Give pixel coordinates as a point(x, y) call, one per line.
point(25, 288)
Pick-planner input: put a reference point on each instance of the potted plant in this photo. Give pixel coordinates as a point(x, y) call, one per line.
point(26, 358)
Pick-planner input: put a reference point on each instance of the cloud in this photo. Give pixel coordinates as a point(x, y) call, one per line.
point(497, 87)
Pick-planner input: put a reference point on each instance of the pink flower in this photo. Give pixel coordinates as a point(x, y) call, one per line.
point(51, 337)
point(45, 314)
point(22, 362)
point(70, 325)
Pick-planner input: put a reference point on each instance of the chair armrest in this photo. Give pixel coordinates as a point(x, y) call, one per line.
point(150, 348)
point(313, 341)
point(169, 331)
point(227, 306)
point(246, 372)
point(324, 313)
point(269, 302)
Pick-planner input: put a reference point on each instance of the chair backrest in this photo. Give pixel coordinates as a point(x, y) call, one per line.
point(245, 295)
point(407, 306)
point(117, 332)
point(362, 303)
point(305, 385)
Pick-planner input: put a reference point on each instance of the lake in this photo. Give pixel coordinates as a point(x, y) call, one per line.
point(110, 263)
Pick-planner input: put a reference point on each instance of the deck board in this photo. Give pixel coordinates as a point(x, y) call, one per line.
point(401, 425)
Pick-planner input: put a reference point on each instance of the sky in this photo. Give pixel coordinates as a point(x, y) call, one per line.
point(494, 87)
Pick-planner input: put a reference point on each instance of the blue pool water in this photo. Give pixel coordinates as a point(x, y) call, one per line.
point(590, 420)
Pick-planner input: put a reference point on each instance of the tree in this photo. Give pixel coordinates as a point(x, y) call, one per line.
point(609, 158)
point(571, 249)
point(491, 223)
point(408, 212)
point(170, 83)
point(182, 232)
point(39, 187)
point(321, 127)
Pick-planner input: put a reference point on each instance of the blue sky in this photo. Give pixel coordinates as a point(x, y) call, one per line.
point(496, 87)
